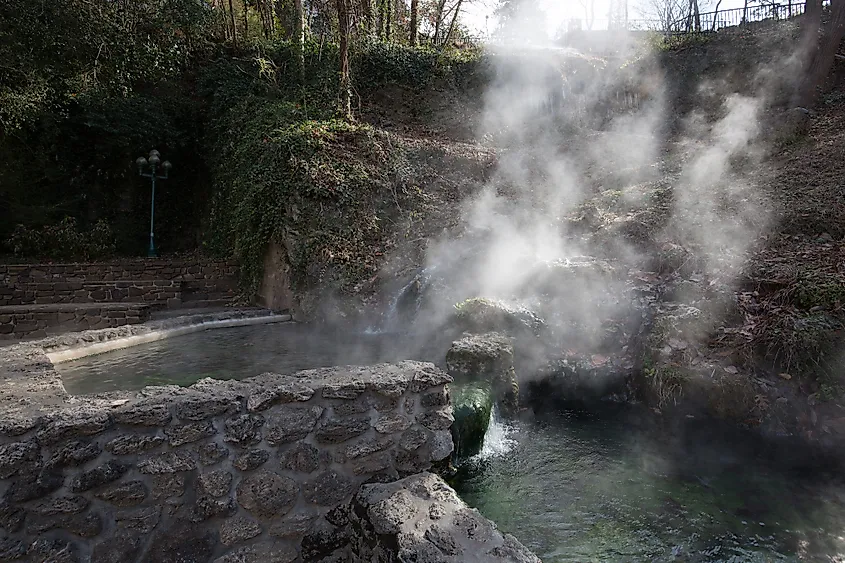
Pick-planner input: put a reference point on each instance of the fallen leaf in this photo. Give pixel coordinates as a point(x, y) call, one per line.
point(731, 369)
point(784, 376)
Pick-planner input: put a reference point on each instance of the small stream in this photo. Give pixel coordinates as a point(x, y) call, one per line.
point(579, 488)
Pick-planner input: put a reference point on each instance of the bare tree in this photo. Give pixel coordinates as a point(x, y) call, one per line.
point(821, 58)
point(589, 12)
point(415, 11)
point(345, 97)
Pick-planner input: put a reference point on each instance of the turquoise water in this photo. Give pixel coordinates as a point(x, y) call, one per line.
point(605, 489)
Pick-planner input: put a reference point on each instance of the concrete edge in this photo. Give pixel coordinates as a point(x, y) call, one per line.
point(135, 340)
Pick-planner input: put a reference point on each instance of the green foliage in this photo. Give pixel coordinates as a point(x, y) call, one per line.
point(63, 241)
point(376, 64)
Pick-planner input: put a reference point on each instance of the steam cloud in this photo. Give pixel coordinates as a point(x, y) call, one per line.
point(568, 126)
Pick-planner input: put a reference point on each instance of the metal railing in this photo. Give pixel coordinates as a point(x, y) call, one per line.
point(705, 21)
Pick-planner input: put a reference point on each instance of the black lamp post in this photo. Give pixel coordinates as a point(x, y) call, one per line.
point(151, 163)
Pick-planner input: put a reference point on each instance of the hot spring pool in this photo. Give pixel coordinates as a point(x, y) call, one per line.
point(599, 489)
point(573, 488)
point(231, 353)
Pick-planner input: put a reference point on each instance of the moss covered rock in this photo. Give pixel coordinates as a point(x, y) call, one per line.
point(484, 315)
point(486, 359)
point(473, 405)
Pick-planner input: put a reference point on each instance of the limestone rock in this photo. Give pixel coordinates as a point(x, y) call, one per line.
point(300, 457)
point(73, 453)
point(285, 393)
point(188, 433)
point(127, 444)
point(442, 445)
point(18, 456)
point(440, 419)
point(244, 430)
point(212, 453)
point(141, 520)
point(426, 377)
point(122, 547)
point(169, 462)
point(143, 414)
point(11, 549)
point(168, 485)
point(487, 359)
point(201, 408)
point(323, 539)
point(74, 424)
point(238, 529)
point(31, 486)
point(126, 494)
point(368, 446)
point(341, 429)
point(481, 315)
point(184, 542)
point(288, 424)
point(328, 488)
point(102, 474)
point(216, 483)
point(265, 552)
point(267, 495)
point(413, 439)
point(252, 459)
point(390, 423)
point(54, 551)
point(349, 389)
point(421, 518)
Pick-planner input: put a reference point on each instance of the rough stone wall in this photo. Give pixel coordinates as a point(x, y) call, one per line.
point(137, 269)
point(37, 322)
point(158, 292)
point(258, 470)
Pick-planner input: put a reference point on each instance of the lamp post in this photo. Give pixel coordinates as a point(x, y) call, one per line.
point(152, 163)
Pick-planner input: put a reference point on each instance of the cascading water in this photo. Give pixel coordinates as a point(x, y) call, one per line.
point(405, 305)
point(497, 439)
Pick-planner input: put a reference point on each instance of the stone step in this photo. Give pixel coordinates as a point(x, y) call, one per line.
point(37, 321)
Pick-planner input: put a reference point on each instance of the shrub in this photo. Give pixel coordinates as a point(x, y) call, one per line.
point(62, 241)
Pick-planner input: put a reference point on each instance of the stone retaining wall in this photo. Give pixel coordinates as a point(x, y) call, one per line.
point(258, 470)
point(136, 269)
point(159, 292)
point(36, 322)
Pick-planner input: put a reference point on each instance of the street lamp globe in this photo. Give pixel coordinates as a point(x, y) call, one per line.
point(154, 160)
point(166, 165)
point(154, 153)
point(141, 162)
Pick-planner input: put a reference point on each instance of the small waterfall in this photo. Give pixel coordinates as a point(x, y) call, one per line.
point(496, 440)
point(405, 304)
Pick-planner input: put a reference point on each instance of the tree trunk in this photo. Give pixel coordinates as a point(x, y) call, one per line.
point(367, 10)
point(438, 21)
point(246, 20)
point(299, 38)
point(824, 56)
point(388, 19)
point(415, 8)
point(716, 15)
point(697, 16)
point(232, 18)
point(345, 98)
point(452, 25)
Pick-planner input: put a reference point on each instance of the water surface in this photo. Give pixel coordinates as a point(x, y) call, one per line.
point(232, 353)
point(601, 489)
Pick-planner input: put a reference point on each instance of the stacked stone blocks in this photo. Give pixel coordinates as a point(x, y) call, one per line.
point(259, 470)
